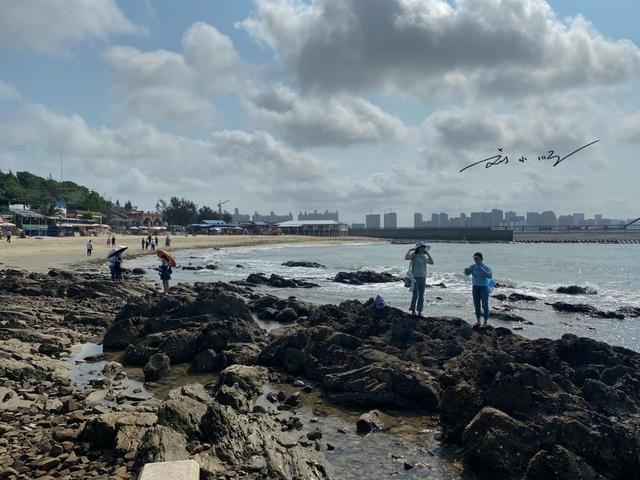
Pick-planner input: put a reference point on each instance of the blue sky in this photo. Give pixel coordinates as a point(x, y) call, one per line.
point(356, 105)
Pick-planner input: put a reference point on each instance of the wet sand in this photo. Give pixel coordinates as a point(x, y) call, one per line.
point(39, 254)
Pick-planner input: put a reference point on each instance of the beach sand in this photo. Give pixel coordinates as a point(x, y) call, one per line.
point(39, 254)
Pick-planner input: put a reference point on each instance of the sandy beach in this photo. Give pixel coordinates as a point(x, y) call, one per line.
point(39, 254)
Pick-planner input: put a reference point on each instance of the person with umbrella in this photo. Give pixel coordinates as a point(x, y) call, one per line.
point(166, 262)
point(115, 262)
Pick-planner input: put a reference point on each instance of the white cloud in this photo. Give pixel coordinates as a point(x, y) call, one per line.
point(8, 92)
point(115, 160)
point(340, 120)
point(52, 25)
point(457, 137)
point(209, 65)
point(629, 128)
point(497, 47)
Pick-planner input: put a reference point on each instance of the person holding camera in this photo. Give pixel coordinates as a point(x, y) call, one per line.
point(481, 280)
point(419, 258)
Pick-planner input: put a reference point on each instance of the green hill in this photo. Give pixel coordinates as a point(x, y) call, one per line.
point(41, 193)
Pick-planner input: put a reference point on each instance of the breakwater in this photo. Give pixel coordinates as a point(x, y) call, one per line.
point(462, 234)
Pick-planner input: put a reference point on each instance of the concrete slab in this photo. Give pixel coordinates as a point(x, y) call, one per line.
point(179, 470)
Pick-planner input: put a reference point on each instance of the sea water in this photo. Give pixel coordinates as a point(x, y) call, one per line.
point(611, 273)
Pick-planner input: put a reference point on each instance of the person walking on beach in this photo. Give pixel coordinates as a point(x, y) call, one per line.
point(153, 244)
point(419, 258)
point(89, 248)
point(165, 273)
point(113, 241)
point(142, 242)
point(167, 241)
point(9, 236)
point(481, 280)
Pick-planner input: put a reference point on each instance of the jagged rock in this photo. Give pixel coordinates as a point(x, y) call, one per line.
point(359, 278)
point(574, 290)
point(585, 309)
point(156, 367)
point(277, 281)
point(206, 361)
point(292, 263)
point(521, 297)
point(370, 422)
point(559, 464)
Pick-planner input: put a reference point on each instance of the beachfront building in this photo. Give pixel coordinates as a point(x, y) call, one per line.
point(239, 218)
point(320, 228)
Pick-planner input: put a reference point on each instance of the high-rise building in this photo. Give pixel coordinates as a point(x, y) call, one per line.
point(497, 217)
point(417, 220)
point(548, 218)
point(435, 220)
point(444, 220)
point(510, 217)
point(315, 215)
point(598, 220)
point(578, 218)
point(565, 220)
point(372, 220)
point(476, 219)
point(391, 220)
point(534, 219)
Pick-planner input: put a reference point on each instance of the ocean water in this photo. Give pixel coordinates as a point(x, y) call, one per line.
point(611, 272)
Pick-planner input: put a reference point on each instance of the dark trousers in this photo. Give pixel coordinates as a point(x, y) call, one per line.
point(481, 294)
point(417, 296)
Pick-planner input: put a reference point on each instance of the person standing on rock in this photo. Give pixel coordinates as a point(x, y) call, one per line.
point(481, 277)
point(419, 258)
point(165, 273)
point(89, 248)
point(115, 266)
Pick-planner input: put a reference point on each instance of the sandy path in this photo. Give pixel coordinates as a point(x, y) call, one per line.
point(41, 254)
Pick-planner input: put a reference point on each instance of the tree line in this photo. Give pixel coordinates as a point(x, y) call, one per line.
point(180, 211)
point(41, 193)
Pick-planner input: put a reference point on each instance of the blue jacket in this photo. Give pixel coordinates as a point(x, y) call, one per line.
point(480, 274)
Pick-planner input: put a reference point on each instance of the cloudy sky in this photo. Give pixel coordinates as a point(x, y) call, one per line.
point(356, 105)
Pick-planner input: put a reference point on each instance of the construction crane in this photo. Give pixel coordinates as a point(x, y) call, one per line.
point(220, 203)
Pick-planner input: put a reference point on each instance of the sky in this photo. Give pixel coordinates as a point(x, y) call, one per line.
point(360, 106)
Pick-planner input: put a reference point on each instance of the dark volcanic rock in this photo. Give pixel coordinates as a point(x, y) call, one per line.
point(521, 297)
point(194, 320)
point(574, 290)
point(585, 309)
point(508, 400)
point(157, 367)
point(277, 281)
point(359, 278)
point(292, 263)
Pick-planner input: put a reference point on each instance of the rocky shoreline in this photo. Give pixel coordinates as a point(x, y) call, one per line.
point(517, 408)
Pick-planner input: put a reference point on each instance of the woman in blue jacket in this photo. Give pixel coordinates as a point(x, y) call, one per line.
point(481, 279)
point(420, 258)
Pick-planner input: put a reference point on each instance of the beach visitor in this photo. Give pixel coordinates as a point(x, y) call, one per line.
point(108, 241)
point(9, 236)
point(142, 242)
point(89, 248)
point(167, 241)
point(113, 241)
point(419, 258)
point(156, 241)
point(115, 266)
point(153, 244)
point(481, 276)
point(165, 273)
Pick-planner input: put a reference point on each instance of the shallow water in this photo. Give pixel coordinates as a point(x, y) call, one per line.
point(407, 438)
